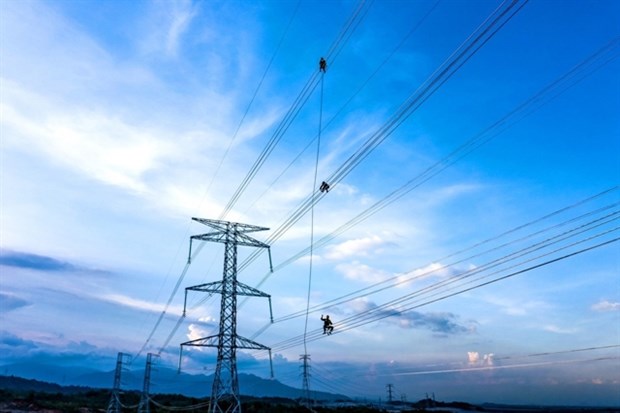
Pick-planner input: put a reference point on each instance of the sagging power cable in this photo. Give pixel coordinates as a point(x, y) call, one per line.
point(439, 290)
point(250, 103)
point(297, 105)
point(296, 341)
point(446, 70)
point(400, 279)
point(586, 67)
point(349, 100)
point(322, 70)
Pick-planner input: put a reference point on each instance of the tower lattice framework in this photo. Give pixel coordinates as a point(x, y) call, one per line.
point(305, 374)
point(114, 405)
point(225, 390)
point(145, 397)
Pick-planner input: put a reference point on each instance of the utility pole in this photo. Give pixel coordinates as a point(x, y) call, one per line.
point(145, 406)
point(114, 405)
point(390, 389)
point(305, 373)
point(225, 391)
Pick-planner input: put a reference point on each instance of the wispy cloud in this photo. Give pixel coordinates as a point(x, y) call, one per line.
point(10, 341)
point(167, 23)
point(366, 246)
point(9, 302)
point(68, 353)
point(95, 143)
point(138, 304)
point(437, 322)
point(515, 307)
point(34, 261)
point(361, 272)
point(552, 328)
point(605, 306)
point(183, 12)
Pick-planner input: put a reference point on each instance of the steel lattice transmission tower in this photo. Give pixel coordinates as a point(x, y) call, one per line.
point(305, 373)
point(145, 397)
point(225, 391)
point(390, 389)
point(114, 405)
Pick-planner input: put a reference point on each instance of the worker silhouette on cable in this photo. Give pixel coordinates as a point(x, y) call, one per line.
point(322, 65)
point(327, 325)
point(324, 187)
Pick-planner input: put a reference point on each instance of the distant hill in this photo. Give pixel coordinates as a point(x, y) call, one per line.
point(19, 384)
point(52, 373)
point(166, 381)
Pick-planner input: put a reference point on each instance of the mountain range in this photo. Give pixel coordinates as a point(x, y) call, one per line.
point(168, 381)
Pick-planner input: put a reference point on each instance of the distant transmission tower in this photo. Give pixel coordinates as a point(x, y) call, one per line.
point(305, 374)
point(225, 392)
point(114, 405)
point(390, 389)
point(145, 405)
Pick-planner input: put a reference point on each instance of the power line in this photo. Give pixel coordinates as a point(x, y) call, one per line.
point(295, 108)
point(349, 100)
point(385, 310)
point(597, 60)
point(510, 366)
point(397, 280)
point(316, 170)
point(241, 121)
point(459, 57)
point(260, 83)
point(336, 47)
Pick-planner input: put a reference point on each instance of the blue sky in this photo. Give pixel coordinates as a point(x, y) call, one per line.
point(122, 120)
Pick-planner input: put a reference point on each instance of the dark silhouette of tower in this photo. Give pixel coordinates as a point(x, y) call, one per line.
point(305, 374)
point(390, 390)
point(145, 406)
point(225, 391)
point(114, 405)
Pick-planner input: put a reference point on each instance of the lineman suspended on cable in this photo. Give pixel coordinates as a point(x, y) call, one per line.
point(327, 325)
point(324, 187)
point(322, 65)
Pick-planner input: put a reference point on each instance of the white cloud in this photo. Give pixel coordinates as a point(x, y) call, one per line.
point(361, 272)
point(488, 359)
point(552, 328)
point(90, 113)
point(474, 359)
point(61, 113)
point(196, 332)
point(515, 307)
point(361, 247)
point(605, 306)
point(165, 25)
point(433, 269)
point(102, 147)
point(139, 304)
point(180, 19)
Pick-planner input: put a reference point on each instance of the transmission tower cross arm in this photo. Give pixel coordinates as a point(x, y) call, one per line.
point(246, 343)
point(244, 289)
point(227, 233)
point(240, 239)
point(216, 287)
point(226, 225)
point(212, 341)
point(211, 287)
